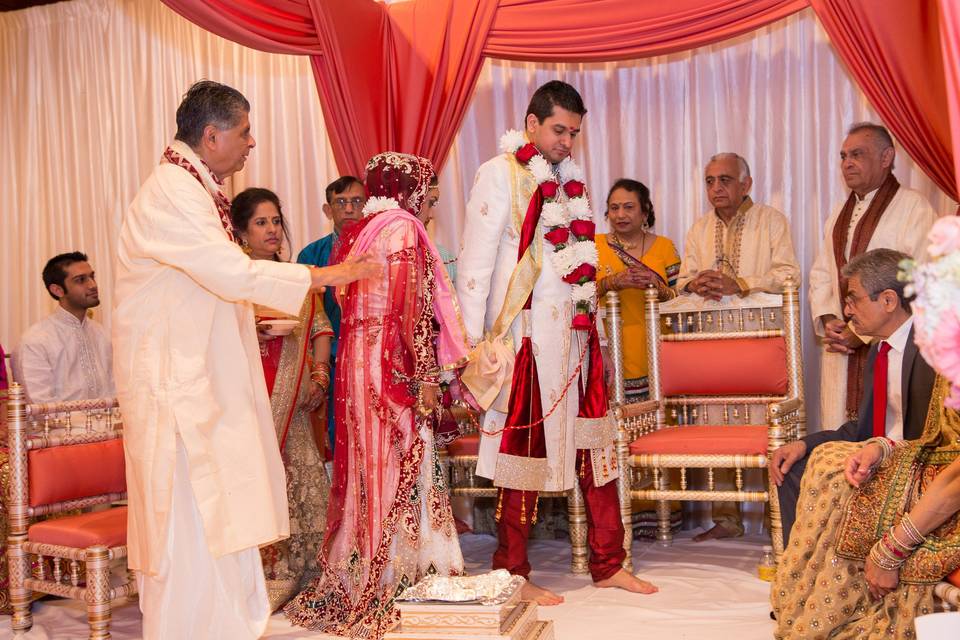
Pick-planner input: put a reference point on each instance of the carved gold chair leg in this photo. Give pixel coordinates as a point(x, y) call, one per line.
point(776, 521)
point(97, 559)
point(578, 530)
point(664, 533)
point(18, 564)
point(626, 507)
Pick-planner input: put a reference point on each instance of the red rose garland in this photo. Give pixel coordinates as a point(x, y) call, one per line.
point(569, 223)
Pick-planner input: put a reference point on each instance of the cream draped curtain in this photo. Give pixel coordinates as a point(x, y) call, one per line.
point(89, 90)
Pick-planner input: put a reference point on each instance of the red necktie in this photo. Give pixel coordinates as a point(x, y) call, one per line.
point(880, 391)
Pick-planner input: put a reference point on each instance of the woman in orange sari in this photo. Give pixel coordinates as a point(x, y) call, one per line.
point(633, 258)
point(297, 372)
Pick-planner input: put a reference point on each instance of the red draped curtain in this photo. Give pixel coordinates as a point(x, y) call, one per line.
point(401, 76)
point(893, 51)
point(950, 42)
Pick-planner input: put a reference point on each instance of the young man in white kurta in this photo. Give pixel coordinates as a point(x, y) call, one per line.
point(903, 226)
point(204, 475)
point(67, 355)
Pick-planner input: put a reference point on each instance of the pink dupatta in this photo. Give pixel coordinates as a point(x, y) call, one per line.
point(452, 341)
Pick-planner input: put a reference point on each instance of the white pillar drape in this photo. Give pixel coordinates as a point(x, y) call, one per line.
point(90, 87)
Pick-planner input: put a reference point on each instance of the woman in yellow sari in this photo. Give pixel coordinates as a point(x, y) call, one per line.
point(633, 258)
point(297, 372)
point(878, 527)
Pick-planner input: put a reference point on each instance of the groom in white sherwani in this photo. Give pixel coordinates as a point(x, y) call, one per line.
point(526, 285)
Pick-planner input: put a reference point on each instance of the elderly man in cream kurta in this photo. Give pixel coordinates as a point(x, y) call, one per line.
point(738, 248)
point(879, 213)
point(204, 474)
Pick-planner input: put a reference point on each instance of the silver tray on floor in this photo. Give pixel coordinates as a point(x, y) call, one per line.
point(489, 589)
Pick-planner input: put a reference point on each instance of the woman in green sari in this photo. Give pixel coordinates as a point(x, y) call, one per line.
point(877, 528)
point(297, 372)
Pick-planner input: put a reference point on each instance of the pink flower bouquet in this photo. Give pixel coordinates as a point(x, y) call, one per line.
point(936, 309)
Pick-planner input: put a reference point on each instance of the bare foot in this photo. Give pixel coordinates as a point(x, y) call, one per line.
point(628, 582)
point(718, 531)
point(544, 597)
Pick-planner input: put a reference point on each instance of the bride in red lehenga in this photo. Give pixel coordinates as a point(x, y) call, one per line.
point(389, 518)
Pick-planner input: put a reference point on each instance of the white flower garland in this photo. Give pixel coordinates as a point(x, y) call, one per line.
point(376, 204)
point(559, 214)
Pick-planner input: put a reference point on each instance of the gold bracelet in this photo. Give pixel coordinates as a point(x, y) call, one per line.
point(911, 530)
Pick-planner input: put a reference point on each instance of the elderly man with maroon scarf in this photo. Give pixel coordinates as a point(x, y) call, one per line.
point(879, 213)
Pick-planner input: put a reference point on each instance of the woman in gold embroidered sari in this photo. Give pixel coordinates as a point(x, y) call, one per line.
point(877, 527)
point(297, 372)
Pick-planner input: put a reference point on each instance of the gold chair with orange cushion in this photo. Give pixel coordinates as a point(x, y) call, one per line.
point(726, 389)
point(58, 466)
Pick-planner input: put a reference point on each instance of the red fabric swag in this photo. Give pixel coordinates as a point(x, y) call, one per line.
point(401, 76)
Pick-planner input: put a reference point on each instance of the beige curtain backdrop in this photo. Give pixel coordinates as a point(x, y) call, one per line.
point(88, 90)
point(88, 93)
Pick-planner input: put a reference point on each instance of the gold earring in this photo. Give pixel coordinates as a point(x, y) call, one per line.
point(245, 246)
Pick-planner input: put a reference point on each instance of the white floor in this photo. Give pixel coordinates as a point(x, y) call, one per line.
point(707, 590)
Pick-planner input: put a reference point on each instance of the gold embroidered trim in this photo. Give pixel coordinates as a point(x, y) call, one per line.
point(594, 433)
point(727, 249)
point(605, 466)
point(520, 472)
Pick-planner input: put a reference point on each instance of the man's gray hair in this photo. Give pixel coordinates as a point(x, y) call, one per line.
point(741, 163)
point(878, 131)
point(878, 271)
point(205, 103)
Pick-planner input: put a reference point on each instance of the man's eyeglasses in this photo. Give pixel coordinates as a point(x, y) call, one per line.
point(341, 203)
point(853, 299)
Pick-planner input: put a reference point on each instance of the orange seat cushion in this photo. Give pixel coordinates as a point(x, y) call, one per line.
point(85, 530)
point(76, 471)
point(468, 445)
point(745, 439)
point(748, 366)
point(954, 578)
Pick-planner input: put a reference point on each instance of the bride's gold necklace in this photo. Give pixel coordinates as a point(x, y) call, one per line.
point(630, 246)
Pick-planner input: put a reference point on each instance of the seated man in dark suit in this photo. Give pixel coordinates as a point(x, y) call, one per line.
point(897, 380)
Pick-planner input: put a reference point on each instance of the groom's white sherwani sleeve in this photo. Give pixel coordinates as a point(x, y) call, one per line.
point(487, 219)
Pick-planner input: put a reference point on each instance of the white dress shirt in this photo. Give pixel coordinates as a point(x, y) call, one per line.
point(62, 358)
point(898, 342)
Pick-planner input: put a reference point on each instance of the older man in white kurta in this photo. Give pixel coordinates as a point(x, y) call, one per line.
point(741, 243)
point(204, 474)
point(879, 213)
point(737, 248)
point(197, 415)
